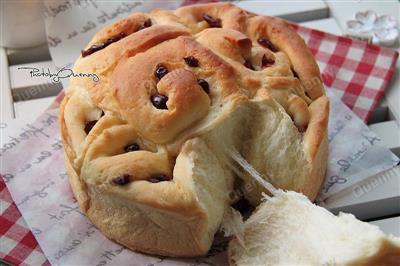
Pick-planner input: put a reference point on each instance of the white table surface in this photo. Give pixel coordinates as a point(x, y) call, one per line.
point(343, 10)
point(29, 110)
point(6, 101)
point(389, 225)
point(327, 25)
point(293, 10)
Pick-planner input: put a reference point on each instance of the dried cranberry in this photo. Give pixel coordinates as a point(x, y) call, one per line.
point(248, 64)
point(204, 84)
point(92, 49)
point(267, 44)
point(98, 46)
point(159, 101)
point(89, 125)
point(145, 24)
point(161, 71)
point(267, 62)
point(132, 147)
point(212, 22)
point(159, 178)
point(302, 129)
point(115, 38)
point(295, 73)
point(121, 180)
point(191, 61)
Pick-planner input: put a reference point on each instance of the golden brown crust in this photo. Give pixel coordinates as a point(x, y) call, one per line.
point(78, 186)
point(287, 40)
point(389, 255)
point(317, 127)
point(98, 120)
point(187, 102)
point(316, 147)
point(231, 16)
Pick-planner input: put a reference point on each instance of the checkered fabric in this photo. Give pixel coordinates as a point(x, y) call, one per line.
point(17, 244)
point(358, 72)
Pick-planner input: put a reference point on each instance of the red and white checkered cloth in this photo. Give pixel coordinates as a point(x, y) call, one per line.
point(357, 71)
point(17, 243)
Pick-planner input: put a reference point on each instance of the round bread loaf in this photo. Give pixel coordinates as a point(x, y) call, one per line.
point(147, 146)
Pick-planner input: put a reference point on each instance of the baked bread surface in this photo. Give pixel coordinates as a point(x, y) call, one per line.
point(146, 146)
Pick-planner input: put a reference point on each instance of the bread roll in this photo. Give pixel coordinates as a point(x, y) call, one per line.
point(145, 147)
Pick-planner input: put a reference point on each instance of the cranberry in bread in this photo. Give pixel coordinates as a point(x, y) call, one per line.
point(146, 146)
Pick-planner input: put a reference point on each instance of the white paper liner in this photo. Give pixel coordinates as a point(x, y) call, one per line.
point(33, 168)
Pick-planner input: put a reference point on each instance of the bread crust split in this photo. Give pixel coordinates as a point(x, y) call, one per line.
point(145, 146)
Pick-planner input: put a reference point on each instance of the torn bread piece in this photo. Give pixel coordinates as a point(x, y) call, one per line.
point(287, 229)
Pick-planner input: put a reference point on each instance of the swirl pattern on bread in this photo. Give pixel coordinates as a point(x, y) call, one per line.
point(145, 146)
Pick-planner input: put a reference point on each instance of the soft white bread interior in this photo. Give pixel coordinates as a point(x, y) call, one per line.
point(284, 162)
point(288, 229)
